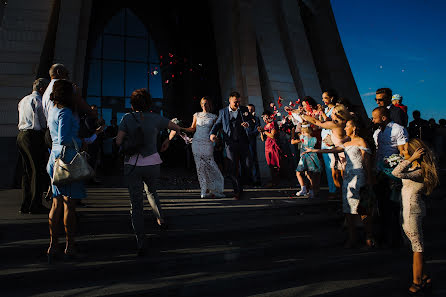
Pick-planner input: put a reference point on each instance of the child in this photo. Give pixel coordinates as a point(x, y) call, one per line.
point(419, 176)
point(270, 135)
point(309, 163)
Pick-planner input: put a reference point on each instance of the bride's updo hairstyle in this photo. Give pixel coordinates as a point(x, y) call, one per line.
point(206, 98)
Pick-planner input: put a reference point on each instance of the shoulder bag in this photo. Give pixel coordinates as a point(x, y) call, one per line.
point(77, 169)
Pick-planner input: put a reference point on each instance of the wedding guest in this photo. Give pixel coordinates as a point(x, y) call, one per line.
point(235, 121)
point(309, 163)
point(270, 135)
point(418, 128)
point(209, 176)
point(253, 133)
point(63, 124)
point(390, 138)
point(357, 174)
point(142, 169)
point(329, 98)
point(419, 176)
point(31, 145)
point(311, 109)
point(384, 99)
point(340, 116)
point(59, 71)
point(397, 100)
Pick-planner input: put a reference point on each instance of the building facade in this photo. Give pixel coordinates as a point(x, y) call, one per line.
point(179, 50)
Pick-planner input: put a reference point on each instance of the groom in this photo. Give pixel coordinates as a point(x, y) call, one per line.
point(235, 120)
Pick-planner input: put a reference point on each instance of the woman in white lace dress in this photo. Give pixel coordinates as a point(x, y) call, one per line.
point(356, 175)
point(419, 176)
point(209, 175)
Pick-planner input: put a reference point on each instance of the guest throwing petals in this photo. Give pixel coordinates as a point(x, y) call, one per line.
point(270, 134)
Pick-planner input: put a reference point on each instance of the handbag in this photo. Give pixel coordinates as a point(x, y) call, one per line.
point(134, 142)
point(77, 169)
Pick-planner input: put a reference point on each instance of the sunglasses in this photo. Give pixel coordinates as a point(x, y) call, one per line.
point(378, 100)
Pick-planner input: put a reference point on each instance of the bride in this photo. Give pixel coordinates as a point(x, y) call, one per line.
point(210, 178)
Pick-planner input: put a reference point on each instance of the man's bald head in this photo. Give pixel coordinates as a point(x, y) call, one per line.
point(380, 115)
point(59, 71)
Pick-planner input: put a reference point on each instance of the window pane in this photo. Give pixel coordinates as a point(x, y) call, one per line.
point(113, 47)
point(135, 77)
point(116, 24)
point(155, 83)
point(134, 26)
point(107, 115)
point(154, 58)
point(127, 103)
point(113, 79)
point(94, 78)
point(136, 49)
point(119, 116)
point(94, 101)
point(96, 51)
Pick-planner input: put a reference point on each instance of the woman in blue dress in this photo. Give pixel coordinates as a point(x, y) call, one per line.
point(63, 124)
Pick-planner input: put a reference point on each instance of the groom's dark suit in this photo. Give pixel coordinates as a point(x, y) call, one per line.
point(236, 140)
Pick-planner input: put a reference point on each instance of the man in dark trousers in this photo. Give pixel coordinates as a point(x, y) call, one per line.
point(31, 145)
point(253, 134)
point(236, 122)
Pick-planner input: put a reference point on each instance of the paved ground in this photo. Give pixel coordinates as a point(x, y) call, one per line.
point(267, 245)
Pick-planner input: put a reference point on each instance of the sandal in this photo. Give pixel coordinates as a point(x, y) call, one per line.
point(419, 290)
point(427, 284)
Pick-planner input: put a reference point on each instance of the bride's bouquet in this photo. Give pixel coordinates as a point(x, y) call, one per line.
point(393, 160)
point(390, 163)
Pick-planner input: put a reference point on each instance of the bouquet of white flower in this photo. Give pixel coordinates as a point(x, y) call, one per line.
point(393, 160)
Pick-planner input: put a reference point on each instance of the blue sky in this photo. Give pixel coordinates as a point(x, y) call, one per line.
point(399, 44)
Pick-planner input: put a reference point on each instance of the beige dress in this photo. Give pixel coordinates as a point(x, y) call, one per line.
point(412, 202)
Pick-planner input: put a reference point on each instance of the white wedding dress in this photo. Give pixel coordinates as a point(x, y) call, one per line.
point(209, 176)
point(354, 178)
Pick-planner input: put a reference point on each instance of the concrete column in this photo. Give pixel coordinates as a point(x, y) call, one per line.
point(21, 40)
point(300, 58)
point(272, 51)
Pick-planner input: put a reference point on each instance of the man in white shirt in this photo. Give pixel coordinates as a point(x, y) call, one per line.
point(390, 138)
point(30, 142)
point(57, 71)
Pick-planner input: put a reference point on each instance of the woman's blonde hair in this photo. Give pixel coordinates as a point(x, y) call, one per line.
point(427, 163)
point(307, 129)
point(342, 112)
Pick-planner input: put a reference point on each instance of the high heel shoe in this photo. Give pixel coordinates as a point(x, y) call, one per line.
point(427, 285)
point(51, 256)
point(419, 290)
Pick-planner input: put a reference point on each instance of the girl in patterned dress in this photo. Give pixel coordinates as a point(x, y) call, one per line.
point(309, 163)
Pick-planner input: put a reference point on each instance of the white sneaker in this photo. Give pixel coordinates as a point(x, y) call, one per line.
point(219, 195)
point(302, 192)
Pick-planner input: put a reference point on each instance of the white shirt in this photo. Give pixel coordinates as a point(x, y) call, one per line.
point(387, 141)
point(46, 102)
point(233, 113)
point(325, 132)
point(31, 115)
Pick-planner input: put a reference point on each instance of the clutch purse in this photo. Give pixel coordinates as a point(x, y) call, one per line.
point(77, 169)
